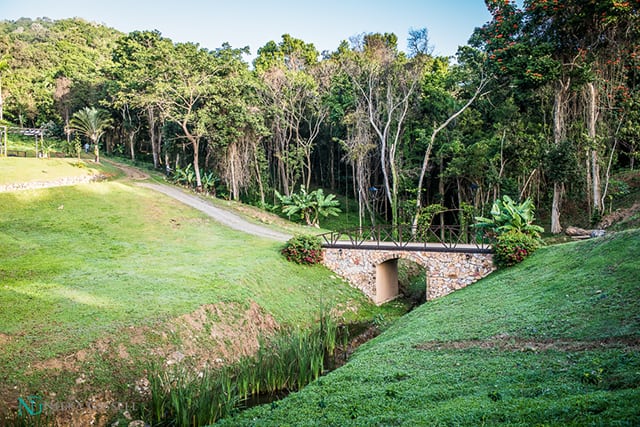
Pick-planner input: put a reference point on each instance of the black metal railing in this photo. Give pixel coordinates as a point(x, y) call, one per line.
point(431, 238)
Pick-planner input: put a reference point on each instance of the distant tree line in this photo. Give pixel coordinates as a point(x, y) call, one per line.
point(542, 104)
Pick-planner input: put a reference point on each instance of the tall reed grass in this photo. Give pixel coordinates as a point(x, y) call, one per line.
point(24, 419)
point(285, 362)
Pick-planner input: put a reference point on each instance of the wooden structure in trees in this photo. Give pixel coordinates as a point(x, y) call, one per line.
point(35, 132)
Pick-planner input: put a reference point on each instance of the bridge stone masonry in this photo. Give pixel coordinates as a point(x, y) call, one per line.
point(372, 265)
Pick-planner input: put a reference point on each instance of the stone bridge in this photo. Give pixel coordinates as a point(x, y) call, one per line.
point(372, 265)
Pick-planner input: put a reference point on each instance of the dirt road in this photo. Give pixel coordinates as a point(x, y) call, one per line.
point(224, 217)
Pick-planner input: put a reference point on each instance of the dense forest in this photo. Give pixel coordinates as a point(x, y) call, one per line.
point(543, 103)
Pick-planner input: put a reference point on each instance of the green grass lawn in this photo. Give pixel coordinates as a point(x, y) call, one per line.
point(553, 341)
point(95, 263)
point(97, 280)
point(18, 170)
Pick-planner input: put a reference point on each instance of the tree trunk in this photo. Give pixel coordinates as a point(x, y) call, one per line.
point(233, 158)
point(195, 143)
point(308, 168)
point(559, 130)
point(427, 153)
point(281, 148)
point(395, 219)
point(598, 207)
point(132, 137)
point(258, 174)
point(96, 151)
point(587, 168)
point(592, 118)
point(196, 164)
point(283, 177)
point(556, 228)
point(332, 175)
point(441, 190)
point(155, 145)
point(361, 190)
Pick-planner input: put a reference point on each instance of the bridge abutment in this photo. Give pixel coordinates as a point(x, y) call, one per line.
point(386, 281)
point(375, 271)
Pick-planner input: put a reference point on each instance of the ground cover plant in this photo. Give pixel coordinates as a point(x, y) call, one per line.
point(98, 279)
point(554, 340)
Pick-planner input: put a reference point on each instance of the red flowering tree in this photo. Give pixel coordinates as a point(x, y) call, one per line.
point(583, 51)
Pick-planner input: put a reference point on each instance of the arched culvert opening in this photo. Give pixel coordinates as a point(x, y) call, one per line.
point(404, 275)
point(386, 281)
point(412, 281)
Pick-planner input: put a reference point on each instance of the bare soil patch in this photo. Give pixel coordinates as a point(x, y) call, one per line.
point(619, 216)
point(217, 334)
point(212, 335)
point(4, 339)
point(131, 172)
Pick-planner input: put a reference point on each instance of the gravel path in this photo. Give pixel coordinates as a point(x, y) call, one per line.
point(224, 217)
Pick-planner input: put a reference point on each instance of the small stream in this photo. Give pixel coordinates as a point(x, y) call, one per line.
point(356, 335)
point(286, 363)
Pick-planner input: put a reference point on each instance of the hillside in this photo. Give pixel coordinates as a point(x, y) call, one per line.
point(99, 280)
point(553, 341)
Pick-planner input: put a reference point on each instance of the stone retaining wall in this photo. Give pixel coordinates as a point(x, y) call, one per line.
point(446, 271)
point(73, 180)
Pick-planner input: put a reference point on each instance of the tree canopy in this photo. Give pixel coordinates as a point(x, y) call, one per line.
point(542, 104)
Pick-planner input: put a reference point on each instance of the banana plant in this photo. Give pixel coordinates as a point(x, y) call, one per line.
point(309, 206)
point(185, 176)
point(209, 181)
point(324, 205)
point(508, 215)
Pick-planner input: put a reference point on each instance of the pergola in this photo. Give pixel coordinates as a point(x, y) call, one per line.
point(36, 132)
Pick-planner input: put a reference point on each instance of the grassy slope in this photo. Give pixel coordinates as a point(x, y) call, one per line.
point(15, 170)
point(553, 341)
point(86, 262)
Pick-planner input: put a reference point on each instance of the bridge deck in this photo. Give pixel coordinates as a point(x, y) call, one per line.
point(410, 246)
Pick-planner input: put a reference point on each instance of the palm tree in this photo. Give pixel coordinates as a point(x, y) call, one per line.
point(91, 123)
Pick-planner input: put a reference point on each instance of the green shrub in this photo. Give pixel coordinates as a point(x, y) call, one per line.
point(513, 247)
point(303, 249)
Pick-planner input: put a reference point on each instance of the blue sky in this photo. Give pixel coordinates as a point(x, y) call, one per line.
point(254, 23)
